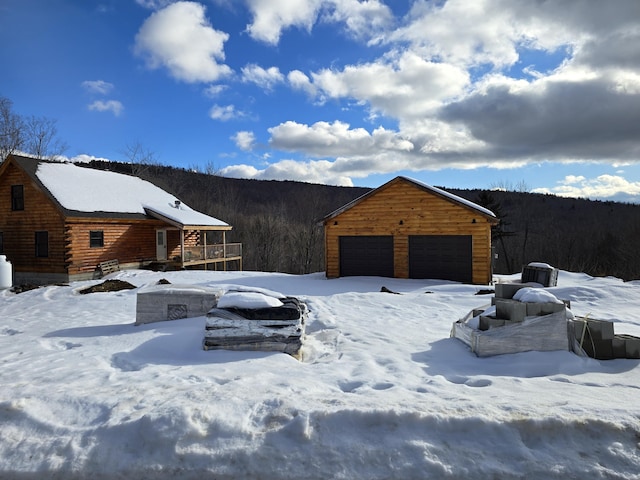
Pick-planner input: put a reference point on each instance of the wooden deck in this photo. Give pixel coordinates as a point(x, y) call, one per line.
point(218, 255)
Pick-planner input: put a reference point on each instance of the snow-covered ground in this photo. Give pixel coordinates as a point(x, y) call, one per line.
point(382, 391)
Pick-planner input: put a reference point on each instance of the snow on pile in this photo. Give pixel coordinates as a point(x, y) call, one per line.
point(248, 300)
point(381, 391)
point(540, 265)
point(535, 295)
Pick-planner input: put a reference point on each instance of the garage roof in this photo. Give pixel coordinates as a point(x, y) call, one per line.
point(434, 190)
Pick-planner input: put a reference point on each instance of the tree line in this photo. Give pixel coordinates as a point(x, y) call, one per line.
point(578, 235)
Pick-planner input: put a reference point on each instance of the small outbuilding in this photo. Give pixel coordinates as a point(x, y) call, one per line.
point(407, 229)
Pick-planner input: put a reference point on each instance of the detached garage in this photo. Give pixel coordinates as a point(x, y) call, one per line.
point(407, 229)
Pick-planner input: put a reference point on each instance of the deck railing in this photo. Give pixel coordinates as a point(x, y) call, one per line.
point(218, 251)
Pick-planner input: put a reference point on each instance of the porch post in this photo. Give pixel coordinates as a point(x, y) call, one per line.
point(203, 233)
point(182, 245)
point(224, 249)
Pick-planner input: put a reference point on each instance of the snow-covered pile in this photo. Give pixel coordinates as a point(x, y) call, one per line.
point(381, 392)
point(535, 295)
point(248, 300)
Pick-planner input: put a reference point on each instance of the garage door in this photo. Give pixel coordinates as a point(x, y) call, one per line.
point(445, 257)
point(366, 256)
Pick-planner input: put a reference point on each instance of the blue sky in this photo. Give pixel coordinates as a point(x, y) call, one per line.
point(459, 94)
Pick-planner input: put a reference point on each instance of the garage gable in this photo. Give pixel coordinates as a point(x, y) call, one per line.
point(401, 184)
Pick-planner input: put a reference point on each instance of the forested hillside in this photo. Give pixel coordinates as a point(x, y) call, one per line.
point(278, 222)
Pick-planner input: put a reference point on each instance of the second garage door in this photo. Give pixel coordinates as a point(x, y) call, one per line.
point(366, 256)
point(445, 257)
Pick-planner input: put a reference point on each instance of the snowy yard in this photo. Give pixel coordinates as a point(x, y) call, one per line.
point(381, 392)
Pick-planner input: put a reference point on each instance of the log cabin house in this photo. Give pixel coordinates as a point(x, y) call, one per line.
point(407, 229)
point(60, 221)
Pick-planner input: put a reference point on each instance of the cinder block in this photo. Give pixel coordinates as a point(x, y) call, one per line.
point(596, 329)
point(538, 309)
point(490, 322)
point(510, 310)
point(599, 349)
point(546, 276)
point(619, 347)
point(628, 345)
point(508, 290)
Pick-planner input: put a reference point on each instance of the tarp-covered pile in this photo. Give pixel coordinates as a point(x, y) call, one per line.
point(528, 319)
point(256, 321)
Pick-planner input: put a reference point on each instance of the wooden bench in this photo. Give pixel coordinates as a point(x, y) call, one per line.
point(109, 266)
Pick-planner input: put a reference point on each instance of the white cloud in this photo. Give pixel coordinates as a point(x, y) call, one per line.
point(113, 106)
point(85, 158)
point(244, 140)
point(491, 31)
point(180, 38)
point(400, 86)
point(213, 91)
point(299, 81)
point(97, 86)
point(317, 171)
point(270, 17)
point(572, 179)
point(601, 187)
point(154, 4)
point(224, 112)
point(266, 79)
point(364, 19)
point(335, 139)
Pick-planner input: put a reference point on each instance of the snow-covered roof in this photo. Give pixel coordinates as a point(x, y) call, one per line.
point(435, 190)
point(86, 191)
point(181, 215)
point(89, 190)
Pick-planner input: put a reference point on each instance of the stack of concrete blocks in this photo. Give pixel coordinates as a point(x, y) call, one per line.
point(541, 273)
point(598, 340)
point(158, 303)
point(509, 311)
point(515, 327)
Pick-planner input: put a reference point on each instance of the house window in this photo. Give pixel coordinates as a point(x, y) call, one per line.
point(17, 197)
point(96, 239)
point(42, 244)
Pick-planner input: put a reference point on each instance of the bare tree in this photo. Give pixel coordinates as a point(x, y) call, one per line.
point(41, 138)
point(140, 158)
point(37, 136)
point(11, 129)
